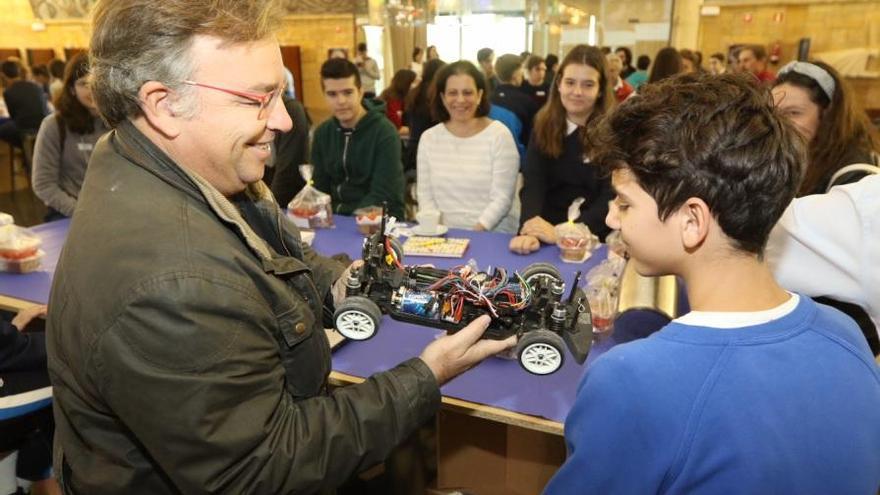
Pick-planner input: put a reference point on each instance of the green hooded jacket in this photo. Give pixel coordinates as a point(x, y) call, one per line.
point(361, 166)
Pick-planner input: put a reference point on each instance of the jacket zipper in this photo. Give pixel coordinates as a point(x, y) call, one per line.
point(347, 134)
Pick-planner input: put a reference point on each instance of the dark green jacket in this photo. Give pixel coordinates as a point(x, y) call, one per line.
point(360, 167)
point(186, 346)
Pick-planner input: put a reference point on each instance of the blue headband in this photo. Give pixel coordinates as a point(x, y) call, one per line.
point(814, 72)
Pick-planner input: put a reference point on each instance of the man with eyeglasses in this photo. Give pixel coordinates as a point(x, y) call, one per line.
point(186, 345)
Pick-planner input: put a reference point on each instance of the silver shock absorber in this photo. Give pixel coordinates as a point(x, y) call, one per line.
point(557, 318)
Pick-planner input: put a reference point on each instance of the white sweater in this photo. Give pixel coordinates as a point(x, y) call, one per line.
point(829, 245)
point(471, 179)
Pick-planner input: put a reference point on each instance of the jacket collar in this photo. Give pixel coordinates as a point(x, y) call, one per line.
point(137, 148)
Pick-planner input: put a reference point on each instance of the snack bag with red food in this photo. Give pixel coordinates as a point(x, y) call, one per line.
point(310, 208)
point(575, 240)
point(19, 250)
point(603, 292)
point(368, 219)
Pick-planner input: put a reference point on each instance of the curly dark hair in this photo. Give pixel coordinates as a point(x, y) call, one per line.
point(462, 67)
point(718, 138)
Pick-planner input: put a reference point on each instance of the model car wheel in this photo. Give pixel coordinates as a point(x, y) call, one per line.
point(541, 352)
point(357, 318)
point(537, 271)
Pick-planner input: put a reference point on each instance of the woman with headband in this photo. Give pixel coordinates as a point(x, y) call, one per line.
point(839, 137)
point(836, 131)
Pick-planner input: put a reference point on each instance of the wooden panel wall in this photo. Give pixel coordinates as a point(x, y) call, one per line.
point(831, 26)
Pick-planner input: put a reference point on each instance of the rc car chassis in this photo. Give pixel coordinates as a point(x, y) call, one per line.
point(528, 304)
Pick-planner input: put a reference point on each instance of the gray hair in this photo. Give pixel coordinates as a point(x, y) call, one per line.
point(136, 41)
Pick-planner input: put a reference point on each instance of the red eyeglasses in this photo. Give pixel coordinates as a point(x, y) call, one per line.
point(265, 100)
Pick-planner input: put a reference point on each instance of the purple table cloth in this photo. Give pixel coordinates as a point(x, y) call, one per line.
point(495, 382)
point(35, 286)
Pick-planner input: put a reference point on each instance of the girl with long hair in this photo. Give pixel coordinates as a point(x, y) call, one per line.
point(394, 96)
point(842, 144)
point(667, 63)
point(837, 132)
point(557, 165)
point(417, 115)
point(65, 142)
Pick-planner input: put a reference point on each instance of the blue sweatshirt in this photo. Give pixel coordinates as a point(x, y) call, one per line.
point(788, 406)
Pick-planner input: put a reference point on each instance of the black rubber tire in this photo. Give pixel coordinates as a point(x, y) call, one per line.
point(357, 318)
point(540, 269)
point(532, 352)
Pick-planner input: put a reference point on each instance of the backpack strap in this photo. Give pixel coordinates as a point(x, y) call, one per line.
point(864, 168)
point(62, 132)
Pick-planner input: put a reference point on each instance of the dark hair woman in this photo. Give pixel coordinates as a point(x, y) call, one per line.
point(65, 141)
point(557, 169)
point(467, 144)
point(417, 61)
point(667, 63)
point(552, 62)
point(431, 53)
point(837, 132)
point(417, 115)
point(626, 58)
point(394, 96)
point(842, 144)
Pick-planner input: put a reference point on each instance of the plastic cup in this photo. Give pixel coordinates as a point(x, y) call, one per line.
point(572, 248)
point(603, 309)
point(428, 220)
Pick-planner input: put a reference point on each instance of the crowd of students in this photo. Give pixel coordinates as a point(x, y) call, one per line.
point(706, 176)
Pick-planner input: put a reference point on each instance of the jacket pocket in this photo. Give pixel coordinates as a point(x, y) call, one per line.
point(296, 325)
point(304, 352)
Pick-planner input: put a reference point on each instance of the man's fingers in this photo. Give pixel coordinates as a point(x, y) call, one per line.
point(487, 347)
point(473, 331)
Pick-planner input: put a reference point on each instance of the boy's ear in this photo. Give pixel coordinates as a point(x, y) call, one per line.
point(695, 218)
point(157, 104)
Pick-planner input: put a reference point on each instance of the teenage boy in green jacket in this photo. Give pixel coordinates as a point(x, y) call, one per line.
point(356, 152)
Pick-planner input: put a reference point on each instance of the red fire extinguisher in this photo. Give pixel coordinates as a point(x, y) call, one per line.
point(775, 53)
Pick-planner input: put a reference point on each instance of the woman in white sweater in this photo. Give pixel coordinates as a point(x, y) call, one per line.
point(467, 164)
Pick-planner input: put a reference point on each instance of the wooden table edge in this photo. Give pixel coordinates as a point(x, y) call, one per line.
point(475, 409)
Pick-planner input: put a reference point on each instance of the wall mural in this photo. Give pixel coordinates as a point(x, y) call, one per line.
point(61, 9)
point(73, 9)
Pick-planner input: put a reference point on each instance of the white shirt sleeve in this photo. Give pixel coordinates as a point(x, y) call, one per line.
point(829, 245)
point(505, 167)
point(424, 190)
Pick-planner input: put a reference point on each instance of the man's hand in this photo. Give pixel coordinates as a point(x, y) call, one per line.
point(452, 355)
point(338, 289)
point(524, 244)
point(540, 228)
point(478, 227)
point(25, 316)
